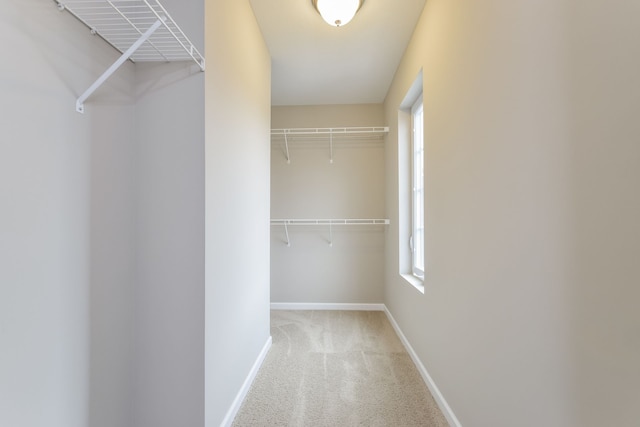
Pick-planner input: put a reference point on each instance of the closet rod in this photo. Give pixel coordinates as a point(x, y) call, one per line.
point(330, 131)
point(346, 221)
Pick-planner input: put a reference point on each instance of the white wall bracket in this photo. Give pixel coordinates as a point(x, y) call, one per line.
point(286, 232)
point(286, 144)
point(331, 148)
point(112, 69)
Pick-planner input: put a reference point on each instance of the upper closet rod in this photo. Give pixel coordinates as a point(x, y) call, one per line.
point(330, 131)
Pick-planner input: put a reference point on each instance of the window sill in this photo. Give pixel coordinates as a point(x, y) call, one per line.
point(414, 281)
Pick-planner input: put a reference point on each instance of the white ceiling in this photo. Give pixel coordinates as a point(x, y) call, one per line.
point(315, 64)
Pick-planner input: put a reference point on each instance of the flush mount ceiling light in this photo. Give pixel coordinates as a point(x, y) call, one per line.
point(337, 12)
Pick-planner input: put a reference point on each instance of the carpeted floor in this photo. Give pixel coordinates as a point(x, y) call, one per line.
point(337, 368)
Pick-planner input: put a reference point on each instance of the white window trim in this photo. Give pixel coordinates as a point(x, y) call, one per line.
point(405, 186)
point(417, 190)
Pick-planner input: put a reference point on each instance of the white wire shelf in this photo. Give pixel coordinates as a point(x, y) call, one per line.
point(330, 221)
point(306, 135)
point(370, 132)
point(324, 222)
point(142, 30)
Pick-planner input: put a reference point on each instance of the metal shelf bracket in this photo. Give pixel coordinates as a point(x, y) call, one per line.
point(286, 232)
point(286, 144)
point(331, 148)
point(112, 69)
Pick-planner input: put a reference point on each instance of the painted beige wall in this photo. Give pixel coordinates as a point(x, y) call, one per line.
point(237, 154)
point(65, 224)
point(168, 366)
point(532, 164)
point(603, 207)
point(113, 260)
point(311, 271)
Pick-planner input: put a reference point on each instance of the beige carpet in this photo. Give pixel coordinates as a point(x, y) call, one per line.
point(337, 368)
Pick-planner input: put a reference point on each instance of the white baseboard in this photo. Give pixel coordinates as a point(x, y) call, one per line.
point(439, 398)
point(323, 306)
point(237, 403)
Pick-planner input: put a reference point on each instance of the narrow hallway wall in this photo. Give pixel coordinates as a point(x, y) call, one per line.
point(603, 207)
point(168, 365)
point(529, 312)
point(237, 116)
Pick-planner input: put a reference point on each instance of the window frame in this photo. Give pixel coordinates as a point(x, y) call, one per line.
point(417, 239)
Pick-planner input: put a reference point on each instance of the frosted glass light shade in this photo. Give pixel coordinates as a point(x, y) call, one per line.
point(337, 12)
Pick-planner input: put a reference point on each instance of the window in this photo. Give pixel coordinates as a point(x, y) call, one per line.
point(411, 191)
point(416, 242)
